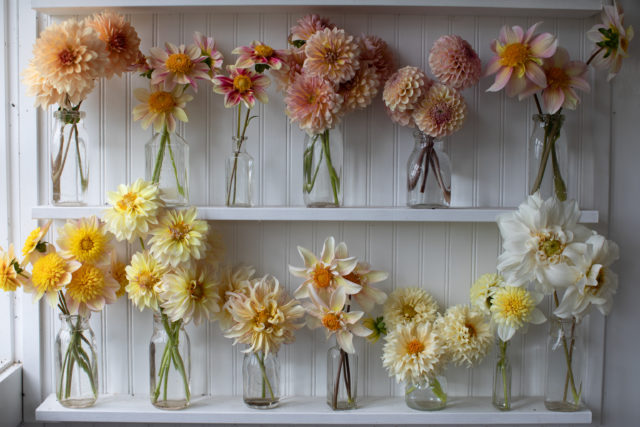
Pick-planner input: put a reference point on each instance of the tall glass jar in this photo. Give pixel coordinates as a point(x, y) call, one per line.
point(76, 362)
point(239, 175)
point(322, 169)
point(565, 366)
point(69, 160)
point(548, 159)
point(342, 379)
point(502, 378)
point(427, 395)
point(170, 363)
point(261, 380)
point(167, 164)
point(428, 174)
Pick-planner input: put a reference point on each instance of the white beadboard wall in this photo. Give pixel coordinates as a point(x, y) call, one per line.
point(489, 158)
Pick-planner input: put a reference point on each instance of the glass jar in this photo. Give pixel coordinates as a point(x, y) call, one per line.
point(167, 164)
point(548, 160)
point(342, 379)
point(565, 358)
point(170, 364)
point(76, 362)
point(428, 174)
point(69, 159)
point(261, 380)
point(322, 169)
point(239, 175)
point(502, 378)
point(428, 395)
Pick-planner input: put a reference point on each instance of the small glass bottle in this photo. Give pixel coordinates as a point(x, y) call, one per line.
point(322, 169)
point(502, 378)
point(342, 379)
point(548, 168)
point(261, 380)
point(239, 175)
point(69, 159)
point(76, 363)
point(428, 395)
point(428, 174)
point(167, 164)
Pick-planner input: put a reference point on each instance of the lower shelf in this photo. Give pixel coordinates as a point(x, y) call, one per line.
point(308, 410)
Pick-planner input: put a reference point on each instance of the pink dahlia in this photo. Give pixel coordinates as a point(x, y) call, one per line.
point(454, 62)
point(361, 89)
point(402, 118)
point(441, 112)
point(292, 68)
point(307, 26)
point(208, 49)
point(518, 59)
point(376, 50)
point(178, 65)
point(404, 89)
point(332, 54)
point(258, 53)
point(313, 103)
point(243, 85)
point(563, 77)
point(611, 39)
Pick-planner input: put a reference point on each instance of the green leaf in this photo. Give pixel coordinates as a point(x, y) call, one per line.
point(298, 43)
point(261, 68)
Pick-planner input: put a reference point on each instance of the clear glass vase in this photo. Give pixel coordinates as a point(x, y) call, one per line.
point(69, 160)
point(76, 362)
point(239, 175)
point(565, 363)
point(261, 380)
point(170, 363)
point(428, 395)
point(342, 379)
point(322, 169)
point(548, 159)
point(167, 164)
point(502, 378)
point(428, 174)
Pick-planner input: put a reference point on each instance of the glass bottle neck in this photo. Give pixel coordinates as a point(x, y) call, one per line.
point(238, 144)
point(74, 322)
point(423, 140)
point(68, 117)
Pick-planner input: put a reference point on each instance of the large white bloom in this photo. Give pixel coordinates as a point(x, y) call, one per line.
point(539, 240)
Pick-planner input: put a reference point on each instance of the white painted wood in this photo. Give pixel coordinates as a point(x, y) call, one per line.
point(11, 396)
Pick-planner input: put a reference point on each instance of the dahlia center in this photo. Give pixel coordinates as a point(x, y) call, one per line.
point(161, 102)
point(197, 290)
point(146, 280)
point(557, 78)
point(408, 312)
point(179, 63)
point(441, 113)
point(322, 276)
point(263, 50)
point(331, 321)
point(127, 202)
point(262, 318)
point(595, 290)
point(415, 346)
point(331, 57)
point(242, 83)
point(515, 307)
point(514, 55)
point(86, 284)
point(550, 247)
point(48, 271)
point(179, 231)
point(117, 43)
point(67, 57)
point(471, 330)
point(87, 243)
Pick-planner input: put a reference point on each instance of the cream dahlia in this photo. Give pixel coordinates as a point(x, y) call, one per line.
point(441, 112)
point(121, 40)
point(232, 281)
point(332, 54)
point(179, 237)
point(375, 50)
point(144, 274)
point(404, 89)
point(313, 103)
point(178, 65)
point(360, 90)
point(409, 305)
point(466, 334)
point(161, 108)
point(189, 293)
point(481, 292)
point(307, 26)
point(454, 62)
point(134, 210)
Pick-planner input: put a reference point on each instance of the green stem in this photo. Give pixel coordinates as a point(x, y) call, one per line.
point(265, 378)
point(558, 183)
point(568, 355)
point(435, 386)
point(84, 182)
point(175, 168)
point(157, 168)
point(141, 243)
point(335, 181)
point(502, 365)
point(551, 134)
point(308, 159)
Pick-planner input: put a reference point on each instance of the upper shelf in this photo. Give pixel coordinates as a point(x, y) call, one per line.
point(570, 8)
point(369, 214)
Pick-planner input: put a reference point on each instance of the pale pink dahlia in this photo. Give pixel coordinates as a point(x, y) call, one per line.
point(313, 103)
point(361, 89)
point(332, 54)
point(376, 50)
point(307, 26)
point(120, 38)
point(441, 112)
point(404, 89)
point(292, 68)
point(402, 118)
point(563, 77)
point(611, 39)
point(454, 62)
point(259, 53)
point(208, 49)
point(181, 65)
point(243, 85)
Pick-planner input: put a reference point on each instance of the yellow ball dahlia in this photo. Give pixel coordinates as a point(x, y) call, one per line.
point(10, 279)
point(86, 240)
point(90, 288)
point(50, 274)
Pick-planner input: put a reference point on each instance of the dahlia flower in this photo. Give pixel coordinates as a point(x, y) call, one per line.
point(85, 239)
point(90, 289)
point(34, 246)
point(307, 26)
point(117, 270)
point(144, 274)
point(313, 103)
point(376, 51)
point(467, 336)
point(11, 275)
point(332, 54)
point(519, 58)
point(134, 210)
point(178, 65)
point(441, 112)
point(361, 89)
point(402, 118)
point(242, 85)
point(408, 306)
point(454, 62)
point(611, 39)
point(189, 293)
point(120, 38)
point(404, 88)
point(213, 58)
point(232, 282)
point(179, 237)
point(513, 308)
point(258, 53)
point(43, 91)
point(292, 68)
point(481, 292)
point(50, 274)
point(161, 108)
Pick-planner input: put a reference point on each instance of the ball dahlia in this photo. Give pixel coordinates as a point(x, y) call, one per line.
point(441, 112)
point(454, 62)
point(404, 89)
point(361, 89)
point(376, 50)
point(307, 26)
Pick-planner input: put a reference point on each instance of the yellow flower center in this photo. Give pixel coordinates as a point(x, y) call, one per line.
point(321, 276)
point(87, 244)
point(415, 346)
point(48, 272)
point(595, 290)
point(147, 281)
point(197, 290)
point(262, 318)
point(87, 283)
point(514, 55)
point(549, 247)
point(161, 102)
point(513, 304)
point(331, 321)
point(67, 57)
point(127, 202)
point(242, 83)
point(179, 231)
point(408, 311)
point(179, 63)
point(32, 241)
point(117, 42)
point(557, 78)
point(263, 50)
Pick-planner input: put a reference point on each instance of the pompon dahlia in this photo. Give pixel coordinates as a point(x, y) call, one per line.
point(403, 118)
point(441, 112)
point(332, 54)
point(376, 50)
point(121, 40)
point(291, 69)
point(404, 88)
point(313, 103)
point(360, 90)
point(307, 26)
point(454, 62)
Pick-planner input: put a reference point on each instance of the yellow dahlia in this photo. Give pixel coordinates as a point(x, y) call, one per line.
point(404, 89)
point(413, 352)
point(134, 210)
point(179, 237)
point(189, 293)
point(512, 308)
point(441, 112)
point(466, 334)
point(117, 269)
point(120, 38)
point(86, 240)
point(232, 281)
point(307, 26)
point(264, 317)
point(332, 54)
point(11, 275)
point(361, 89)
point(50, 274)
point(409, 305)
point(481, 292)
point(91, 287)
point(42, 90)
point(313, 103)
point(34, 246)
point(161, 108)
point(145, 275)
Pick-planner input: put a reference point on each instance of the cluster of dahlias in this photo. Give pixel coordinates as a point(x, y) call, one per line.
point(69, 57)
point(437, 108)
point(329, 73)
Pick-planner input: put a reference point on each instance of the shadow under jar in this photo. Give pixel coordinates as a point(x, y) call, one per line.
point(428, 174)
point(261, 380)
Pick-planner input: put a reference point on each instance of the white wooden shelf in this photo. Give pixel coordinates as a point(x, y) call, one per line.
point(369, 214)
point(308, 410)
point(572, 8)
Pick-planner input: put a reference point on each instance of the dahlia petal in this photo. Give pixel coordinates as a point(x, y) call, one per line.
point(353, 316)
point(244, 62)
point(502, 78)
point(180, 114)
point(345, 341)
point(360, 330)
point(506, 332)
point(338, 298)
point(231, 99)
point(308, 257)
point(516, 86)
point(536, 74)
point(349, 287)
point(530, 31)
point(493, 66)
point(249, 99)
point(376, 276)
point(560, 58)
point(328, 250)
point(537, 317)
point(544, 45)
